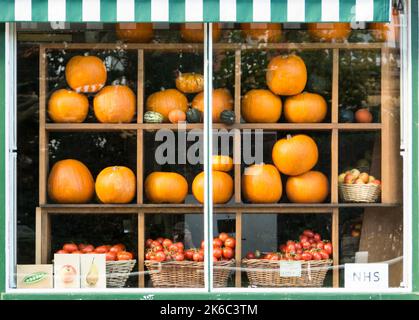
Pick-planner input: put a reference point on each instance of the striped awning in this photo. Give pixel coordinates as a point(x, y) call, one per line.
point(195, 10)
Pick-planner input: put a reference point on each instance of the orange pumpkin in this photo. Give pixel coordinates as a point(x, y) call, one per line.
point(330, 32)
point(135, 32)
point(260, 105)
point(221, 100)
point(261, 183)
point(295, 155)
point(262, 32)
point(85, 74)
point(70, 181)
point(309, 187)
point(194, 32)
point(190, 82)
point(115, 104)
point(165, 101)
point(176, 116)
point(116, 185)
point(222, 187)
point(286, 75)
point(305, 108)
point(166, 187)
point(222, 163)
point(68, 106)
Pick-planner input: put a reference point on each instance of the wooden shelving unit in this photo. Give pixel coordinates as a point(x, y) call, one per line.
point(387, 128)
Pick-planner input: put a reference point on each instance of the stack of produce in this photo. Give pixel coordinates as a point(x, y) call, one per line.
point(116, 252)
point(356, 186)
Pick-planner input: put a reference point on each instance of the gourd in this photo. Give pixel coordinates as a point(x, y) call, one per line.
point(330, 32)
point(221, 100)
point(262, 32)
point(309, 187)
point(85, 74)
point(193, 115)
point(165, 101)
point(227, 117)
point(116, 184)
point(222, 163)
point(68, 106)
point(153, 117)
point(261, 106)
point(261, 183)
point(190, 82)
point(176, 116)
point(70, 181)
point(222, 187)
point(115, 104)
point(194, 32)
point(286, 75)
point(134, 32)
point(165, 187)
point(305, 108)
point(295, 155)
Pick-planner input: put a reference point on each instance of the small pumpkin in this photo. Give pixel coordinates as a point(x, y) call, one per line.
point(330, 32)
point(165, 101)
point(228, 117)
point(134, 32)
point(309, 187)
point(262, 32)
point(286, 75)
point(190, 82)
point(222, 163)
point(221, 100)
point(305, 108)
point(153, 117)
point(165, 187)
point(261, 183)
point(116, 184)
point(222, 187)
point(85, 74)
point(193, 115)
point(194, 32)
point(295, 155)
point(68, 106)
point(259, 105)
point(115, 104)
point(176, 116)
point(70, 181)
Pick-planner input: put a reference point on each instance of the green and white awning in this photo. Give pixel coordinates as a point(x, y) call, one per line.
point(195, 10)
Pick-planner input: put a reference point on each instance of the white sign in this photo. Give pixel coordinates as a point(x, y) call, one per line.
point(289, 268)
point(366, 275)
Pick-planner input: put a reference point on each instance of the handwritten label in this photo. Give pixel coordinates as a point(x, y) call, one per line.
point(289, 268)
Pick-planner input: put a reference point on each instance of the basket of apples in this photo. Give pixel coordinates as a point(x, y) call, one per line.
point(356, 186)
point(302, 263)
point(119, 262)
point(170, 265)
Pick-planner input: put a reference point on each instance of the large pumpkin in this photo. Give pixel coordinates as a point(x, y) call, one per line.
point(286, 75)
point(68, 106)
point(221, 100)
point(262, 32)
point(135, 32)
point(190, 82)
point(116, 185)
point(309, 187)
point(85, 74)
point(165, 101)
point(259, 105)
point(222, 163)
point(261, 183)
point(115, 104)
point(166, 187)
point(70, 181)
point(330, 32)
point(222, 187)
point(305, 107)
point(194, 32)
point(295, 155)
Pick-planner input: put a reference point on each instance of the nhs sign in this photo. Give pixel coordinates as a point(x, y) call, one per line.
point(366, 276)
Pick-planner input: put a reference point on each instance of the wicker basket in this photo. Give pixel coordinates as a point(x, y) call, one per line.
point(266, 273)
point(117, 272)
point(186, 274)
point(359, 192)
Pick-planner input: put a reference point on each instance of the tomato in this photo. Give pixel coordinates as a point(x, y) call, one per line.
point(324, 254)
point(202, 244)
point(290, 242)
point(308, 233)
point(217, 252)
point(70, 247)
point(160, 240)
point(282, 247)
point(157, 248)
point(311, 241)
point(179, 256)
point(124, 255)
point(267, 256)
point(299, 251)
point(173, 249)
point(217, 242)
point(297, 256)
point(61, 252)
point(180, 246)
point(230, 242)
point(250, 255)
point(167, 243)
point(110, 256)
point(168, 257)
point(117, 248)
point(198, 257)
point(223, 236)
point(189, 254)
point(148, 255)
point(328, 248)
point(290, 248)
point(306, 256)
point(81, 246)
point(317, 237)
point(228, 252)
point(313, 245)
point(77, 252)
point(152, 256)
point(215, 259)
point(155, 243)
point(303, 238)
point(317, 256)
point(88, 249)
point(101, 249)
point(160, 256)
point(298, 246)
point(274, 257)
point(148, 243)
point(306, 245)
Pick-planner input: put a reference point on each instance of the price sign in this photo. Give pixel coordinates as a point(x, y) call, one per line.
point(289, 268)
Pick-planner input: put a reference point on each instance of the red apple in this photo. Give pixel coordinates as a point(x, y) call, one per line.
point(349, 179)
point(359, 181)
point(377, 182)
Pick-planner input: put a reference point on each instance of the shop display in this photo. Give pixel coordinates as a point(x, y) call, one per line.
point(356, 186)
